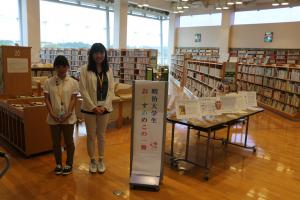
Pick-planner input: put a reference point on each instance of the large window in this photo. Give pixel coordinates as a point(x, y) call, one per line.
point(111, 28)
point(149, 36)
point(66, 26)
point(9, 22)
point(143, 32)
point(201, 20)
point(165, 48)
point(268, 16)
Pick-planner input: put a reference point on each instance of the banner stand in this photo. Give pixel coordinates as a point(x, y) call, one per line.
point(146, 167)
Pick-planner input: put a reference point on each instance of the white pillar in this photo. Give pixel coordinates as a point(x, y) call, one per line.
point(224, 40)
point(30, 27)
point(120, 23)
point(174, 23)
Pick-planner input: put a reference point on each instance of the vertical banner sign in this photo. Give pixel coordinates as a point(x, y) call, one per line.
point(148, 129)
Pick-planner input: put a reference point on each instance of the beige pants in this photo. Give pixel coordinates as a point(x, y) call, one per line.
point(95, 128)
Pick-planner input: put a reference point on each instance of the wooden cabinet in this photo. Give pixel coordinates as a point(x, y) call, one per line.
point(23, 125)
point(15, 71)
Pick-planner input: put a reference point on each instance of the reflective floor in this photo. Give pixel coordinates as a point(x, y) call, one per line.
point(272, 173)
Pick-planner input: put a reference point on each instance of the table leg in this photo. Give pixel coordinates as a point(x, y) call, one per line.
point(207, 165)
point(172, 140)
point(187, 143)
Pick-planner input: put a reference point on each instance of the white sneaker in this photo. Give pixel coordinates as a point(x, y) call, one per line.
point(93, 167)
point(101, 166)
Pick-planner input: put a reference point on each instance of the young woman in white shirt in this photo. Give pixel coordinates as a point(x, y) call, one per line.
point(60, 95)
point(97, 91)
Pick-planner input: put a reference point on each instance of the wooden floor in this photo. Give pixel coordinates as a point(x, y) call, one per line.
point(272, 173)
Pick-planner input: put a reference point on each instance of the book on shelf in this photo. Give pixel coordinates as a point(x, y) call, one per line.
point(277, 87)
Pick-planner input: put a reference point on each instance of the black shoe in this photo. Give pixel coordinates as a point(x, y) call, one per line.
point(58, 170)
point(67, 170)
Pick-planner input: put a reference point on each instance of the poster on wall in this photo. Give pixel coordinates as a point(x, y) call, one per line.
point(17, 65)
point(198, 37)
point(148, 132)
point(268, 37)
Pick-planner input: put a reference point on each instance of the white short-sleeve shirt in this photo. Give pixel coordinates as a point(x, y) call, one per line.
point(60, 92)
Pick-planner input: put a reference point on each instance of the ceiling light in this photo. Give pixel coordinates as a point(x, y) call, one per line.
point(225, 7)
point(175, 11)
point(185, 0)
point(275, 3)
point(230, 3)
point(179, 7)
point(218, 8)
point(238, 2)
point(181, 11)
point(285, 3)
point(145, 3)
point(186, 7)
point(140, 5)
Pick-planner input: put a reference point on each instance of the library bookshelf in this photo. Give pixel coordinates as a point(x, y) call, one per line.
point(76, 57)
point(131, 64)
point(127, 64)
point(277, 87)
point(204, 78)
point(266, 56)
point(178, 68)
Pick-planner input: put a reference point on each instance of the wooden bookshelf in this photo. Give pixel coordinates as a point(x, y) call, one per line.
point(204, 78)
point(210, 54)
point(178, 67)
point(277, 87)
point(15, 71)
point(131, 64)
point(266, 56)
point(23, 125)
point(127, 64)
point(76, 57)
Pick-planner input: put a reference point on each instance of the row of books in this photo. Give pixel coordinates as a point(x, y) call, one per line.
point(142, 60)
point(267, 56)
point(278, 105)
point(178, 62)
point(282, 101)
point(198, 50)
point(67, 51)
point(213, 71)
point(115, 66)
point(113, 53)
point(114, 60)
point(137, 53)
point(287, 86)
point(178, 57)
point(129, 65)
point(291, 99)
point(198, 89)
point(282, 73)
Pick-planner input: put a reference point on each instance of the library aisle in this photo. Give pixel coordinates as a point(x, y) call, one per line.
point(271, 173)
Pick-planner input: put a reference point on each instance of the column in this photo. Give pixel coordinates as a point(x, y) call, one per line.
point(224, 40)
point(174, 23)
point(120, 23)
point(30, 26)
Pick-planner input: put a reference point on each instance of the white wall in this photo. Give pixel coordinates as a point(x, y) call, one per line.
point(285, 35)
point(210, 36)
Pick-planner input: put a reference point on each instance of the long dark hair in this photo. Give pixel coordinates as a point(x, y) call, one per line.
point(97, 47)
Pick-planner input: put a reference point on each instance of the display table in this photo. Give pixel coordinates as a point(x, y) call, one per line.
point(210, 126)
point(23, 125)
